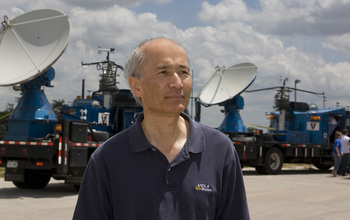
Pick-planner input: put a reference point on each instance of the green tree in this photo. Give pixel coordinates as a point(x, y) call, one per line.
point(4, 115)
point(56, 106)
point(251, 129)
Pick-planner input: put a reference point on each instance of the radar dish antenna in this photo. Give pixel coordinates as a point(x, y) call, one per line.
point(226, 83)
point(224, 88)
point(30, 44)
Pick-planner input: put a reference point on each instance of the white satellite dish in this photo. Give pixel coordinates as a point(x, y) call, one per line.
point(30, 44)
point(226, 83)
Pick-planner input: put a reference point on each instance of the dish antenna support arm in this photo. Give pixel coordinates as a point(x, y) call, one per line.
point(233, 121)
point(33, 113)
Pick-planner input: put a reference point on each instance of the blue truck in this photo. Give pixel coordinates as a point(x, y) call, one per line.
point(298, 132)
point(38, 146)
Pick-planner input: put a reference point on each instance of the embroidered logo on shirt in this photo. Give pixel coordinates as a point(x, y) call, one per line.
point(203, 187)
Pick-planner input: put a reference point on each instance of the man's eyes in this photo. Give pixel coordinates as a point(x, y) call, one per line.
point(179, 72)
point(185, 72)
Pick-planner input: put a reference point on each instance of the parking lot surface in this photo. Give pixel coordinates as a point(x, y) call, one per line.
point(298, 193)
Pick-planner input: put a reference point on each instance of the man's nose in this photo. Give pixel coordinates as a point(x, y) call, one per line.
point(176, 81)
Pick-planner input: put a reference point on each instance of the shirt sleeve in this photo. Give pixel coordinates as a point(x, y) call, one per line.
point(94, 200)
point(233, 201)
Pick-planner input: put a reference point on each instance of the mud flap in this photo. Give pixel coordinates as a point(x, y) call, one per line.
point(14, 174)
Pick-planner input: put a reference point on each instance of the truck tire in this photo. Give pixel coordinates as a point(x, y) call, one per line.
point(273, 161)
point(33, 179)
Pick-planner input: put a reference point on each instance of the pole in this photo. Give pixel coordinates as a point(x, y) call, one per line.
point(83, 89)
point(295, 89)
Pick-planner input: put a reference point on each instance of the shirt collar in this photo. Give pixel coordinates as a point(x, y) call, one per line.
point(195, 142)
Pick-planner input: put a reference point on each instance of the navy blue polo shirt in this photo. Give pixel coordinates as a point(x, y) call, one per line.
point(128, 178)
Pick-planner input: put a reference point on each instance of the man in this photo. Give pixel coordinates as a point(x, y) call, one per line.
point(337, 153)
point(345, 153)
point(165, 166)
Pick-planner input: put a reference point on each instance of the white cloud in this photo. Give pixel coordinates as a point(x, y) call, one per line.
point(96, 4)
point(338, 43)
point(313, 17)
point(224, 10)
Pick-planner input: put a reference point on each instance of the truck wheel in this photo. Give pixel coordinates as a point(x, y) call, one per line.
point(34, 179)
point(273, 161)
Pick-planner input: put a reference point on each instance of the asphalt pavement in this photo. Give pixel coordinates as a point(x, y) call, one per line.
point(302, 193)
point(298, 193)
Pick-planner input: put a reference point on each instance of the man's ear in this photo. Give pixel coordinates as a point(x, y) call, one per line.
point(134, 84)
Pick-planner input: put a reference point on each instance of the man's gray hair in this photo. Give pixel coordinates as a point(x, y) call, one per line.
point(132, 66)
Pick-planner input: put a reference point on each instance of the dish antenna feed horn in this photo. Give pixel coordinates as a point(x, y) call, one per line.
point(224, 89)
point(29, 45)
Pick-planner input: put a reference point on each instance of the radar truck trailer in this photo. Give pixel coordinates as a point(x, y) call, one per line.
point(298, 132)
point(38, 145)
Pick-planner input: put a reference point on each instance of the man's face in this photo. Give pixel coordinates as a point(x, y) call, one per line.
point(165, 84)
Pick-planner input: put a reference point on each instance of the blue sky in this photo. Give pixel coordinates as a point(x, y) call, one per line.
point(183, 13)
point(298, 39)
point(183, 17)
